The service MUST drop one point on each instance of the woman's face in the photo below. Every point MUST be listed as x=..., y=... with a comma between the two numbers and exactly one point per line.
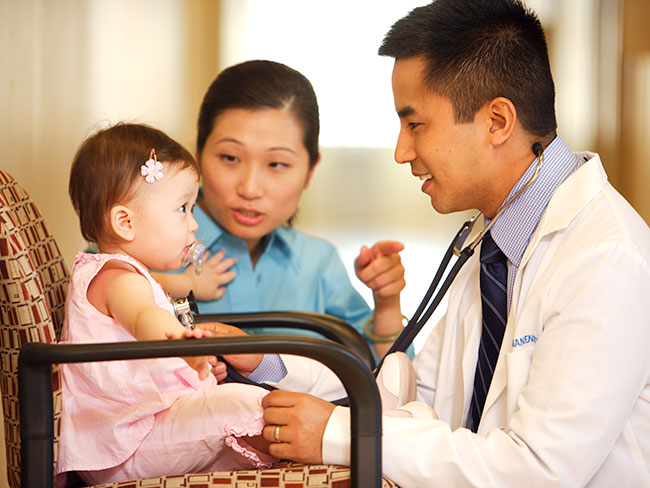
x=255, y=167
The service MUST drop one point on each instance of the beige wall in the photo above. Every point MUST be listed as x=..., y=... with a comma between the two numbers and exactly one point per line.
x=43, y=100
x=634, y=157
x=69, y=66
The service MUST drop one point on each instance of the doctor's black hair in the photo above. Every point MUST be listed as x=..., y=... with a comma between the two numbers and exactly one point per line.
x=477, y=50
x=259, y=85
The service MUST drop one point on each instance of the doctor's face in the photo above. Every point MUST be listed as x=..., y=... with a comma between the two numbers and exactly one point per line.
x=443, y=154
x=255, y=167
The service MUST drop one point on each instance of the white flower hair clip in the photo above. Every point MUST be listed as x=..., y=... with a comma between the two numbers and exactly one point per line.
x=152, y=169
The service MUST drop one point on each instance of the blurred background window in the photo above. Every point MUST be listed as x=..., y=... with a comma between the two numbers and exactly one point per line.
x=334, y=44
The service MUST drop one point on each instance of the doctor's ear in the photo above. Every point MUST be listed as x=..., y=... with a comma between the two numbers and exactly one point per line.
x=121, y=222
x=502, y=116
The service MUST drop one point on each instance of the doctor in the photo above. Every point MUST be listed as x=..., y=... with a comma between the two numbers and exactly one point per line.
x=566, y=393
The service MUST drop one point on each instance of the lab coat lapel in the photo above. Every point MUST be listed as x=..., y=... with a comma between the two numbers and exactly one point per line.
x=454, y=386
x=499, y=379
x=469, y=308
x=568, y=200
x=471, y=341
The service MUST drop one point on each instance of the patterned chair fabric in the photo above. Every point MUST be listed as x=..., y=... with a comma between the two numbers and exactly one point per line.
x=33, y=283
x=286, y=475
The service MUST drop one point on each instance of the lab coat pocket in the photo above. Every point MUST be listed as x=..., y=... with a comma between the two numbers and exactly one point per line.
x=517, y=368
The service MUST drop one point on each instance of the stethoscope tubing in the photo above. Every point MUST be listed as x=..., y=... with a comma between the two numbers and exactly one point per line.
x=420, y=317
x=424, y=312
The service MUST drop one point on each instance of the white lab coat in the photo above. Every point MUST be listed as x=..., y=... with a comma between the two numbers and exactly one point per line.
x=569, y=403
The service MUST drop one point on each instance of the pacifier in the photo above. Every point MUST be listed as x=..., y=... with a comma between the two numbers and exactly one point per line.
x=194, y=254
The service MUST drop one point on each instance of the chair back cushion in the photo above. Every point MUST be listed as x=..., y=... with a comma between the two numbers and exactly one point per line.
x=33, y=282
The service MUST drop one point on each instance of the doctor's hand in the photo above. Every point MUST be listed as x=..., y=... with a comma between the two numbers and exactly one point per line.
x=380, y=268
x=215, y=274
x=244, y=363
x=202, y=364
x=302, y=419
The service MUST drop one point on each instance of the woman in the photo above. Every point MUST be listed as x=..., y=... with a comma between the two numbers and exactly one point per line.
x=257, y=148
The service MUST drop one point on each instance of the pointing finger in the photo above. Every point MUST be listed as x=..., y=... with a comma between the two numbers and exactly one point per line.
x=364, y=258
x=387, y=247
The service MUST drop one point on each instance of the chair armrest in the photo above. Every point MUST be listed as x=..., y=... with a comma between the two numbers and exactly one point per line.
x=327, y=325
x=35, y=392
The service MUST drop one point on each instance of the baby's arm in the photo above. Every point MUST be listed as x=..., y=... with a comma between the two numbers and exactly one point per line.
x=380, y=268
x=209, y=285
x=121, y=293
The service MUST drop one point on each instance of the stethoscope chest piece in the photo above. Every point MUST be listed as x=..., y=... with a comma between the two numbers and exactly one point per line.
x=184, y=308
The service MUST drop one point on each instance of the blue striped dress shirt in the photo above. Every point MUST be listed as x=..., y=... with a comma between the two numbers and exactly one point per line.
x=515, y=226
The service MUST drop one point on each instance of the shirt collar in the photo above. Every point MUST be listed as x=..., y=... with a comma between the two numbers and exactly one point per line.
x=514, y=227
x=280, y=244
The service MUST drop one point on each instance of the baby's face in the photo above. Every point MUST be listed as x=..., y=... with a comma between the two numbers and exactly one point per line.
x=162, y=218
x=255, y=167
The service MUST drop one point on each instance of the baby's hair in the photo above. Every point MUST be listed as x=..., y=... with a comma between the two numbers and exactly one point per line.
x=106, y=169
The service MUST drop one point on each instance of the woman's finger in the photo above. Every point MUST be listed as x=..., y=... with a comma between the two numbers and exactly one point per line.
x=378, y=266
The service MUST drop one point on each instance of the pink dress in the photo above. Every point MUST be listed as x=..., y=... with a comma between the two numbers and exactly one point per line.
x=123, y=420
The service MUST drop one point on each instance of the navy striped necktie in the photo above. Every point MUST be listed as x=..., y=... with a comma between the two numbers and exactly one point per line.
x=493, y=281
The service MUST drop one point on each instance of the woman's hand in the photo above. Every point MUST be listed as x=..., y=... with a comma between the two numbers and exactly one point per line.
x=380, y=269
x=215, y=274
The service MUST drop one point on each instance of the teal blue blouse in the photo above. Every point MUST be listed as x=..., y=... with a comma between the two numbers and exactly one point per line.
x=296, y=272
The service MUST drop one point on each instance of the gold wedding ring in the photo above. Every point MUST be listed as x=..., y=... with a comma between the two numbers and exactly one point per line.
x=276, y=433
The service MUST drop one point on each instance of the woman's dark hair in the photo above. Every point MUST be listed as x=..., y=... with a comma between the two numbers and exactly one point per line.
x=477, y=50
x=106, y=169
x=257, y=85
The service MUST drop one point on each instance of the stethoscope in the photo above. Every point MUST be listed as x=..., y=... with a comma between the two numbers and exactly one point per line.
x=183, y=307
x=423, y=313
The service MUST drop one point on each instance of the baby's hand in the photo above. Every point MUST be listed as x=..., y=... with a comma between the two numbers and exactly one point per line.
x=202, y=364
x=380, y=268
x=209, y=285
